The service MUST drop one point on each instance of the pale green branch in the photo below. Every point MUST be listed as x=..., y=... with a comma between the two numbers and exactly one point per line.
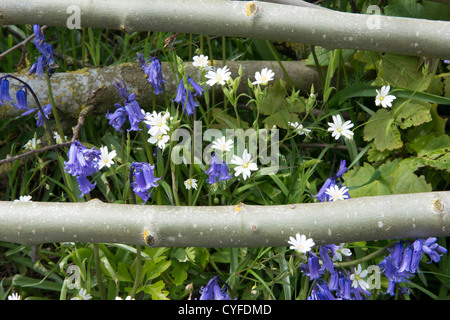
x=361, y=219
x=272, y=21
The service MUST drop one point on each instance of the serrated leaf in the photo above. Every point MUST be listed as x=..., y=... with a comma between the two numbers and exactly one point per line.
x=432, y=151
x=412, y=113
x=156, y=290
x=382, y=129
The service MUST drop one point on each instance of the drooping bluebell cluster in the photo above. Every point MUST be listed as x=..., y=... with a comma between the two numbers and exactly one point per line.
x=144, y=179
x=339, y=285
x=22, y=101
x=399, y=266
x=403, y=261
x=332, y=181
x=46, y=59
x=130, y=110
x=185, y=97
x=212, y=291
x=218, y=170
x=152, y=68
x=83, y=162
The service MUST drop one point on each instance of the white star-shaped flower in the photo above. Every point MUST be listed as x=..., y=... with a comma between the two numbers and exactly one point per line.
x=200, y=61
x=337, y=193
x=300, y=243
x=106, y=158
x=14, y=296
x=299, y=128
x=222, y=144
x=384, y=98
x=337, y=256
x=244, y=165
x=190, y=183
x=264, y=77
x=357, y=280
x=157, y=122
x=159, y=139
x=339, y=128
x=82, y=295
x=23, y=199
x=221, y=76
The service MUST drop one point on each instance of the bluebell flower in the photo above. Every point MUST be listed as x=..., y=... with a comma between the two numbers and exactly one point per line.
x=21, y=97
x=46, y=59
x=320, y=291
x=185, y=97
x=39, y=118
x=85, y=185
x=326, y=260
x=312, y=268
x=212, y=291
x=4, y=91
x=404, y=259
x=130, y=111
x=82, y=162
x=153, y=72
x=144, y=179
x=217, y=170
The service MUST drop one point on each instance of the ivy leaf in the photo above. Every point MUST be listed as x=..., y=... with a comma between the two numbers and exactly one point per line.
x=382, y=129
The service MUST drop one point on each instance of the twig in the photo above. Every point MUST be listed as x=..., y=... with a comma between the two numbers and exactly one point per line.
x=23, y=43
x=76, y=131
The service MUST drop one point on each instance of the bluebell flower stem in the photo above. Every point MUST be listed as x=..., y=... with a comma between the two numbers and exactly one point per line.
x=98, y=272
x=137, y=277
x=54, y=110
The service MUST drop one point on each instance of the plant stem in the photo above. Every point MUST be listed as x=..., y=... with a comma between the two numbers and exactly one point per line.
x=137, y=278
x=98, y=272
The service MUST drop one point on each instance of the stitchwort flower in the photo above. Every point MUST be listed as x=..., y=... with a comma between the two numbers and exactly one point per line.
x=201, y=62
x=106, y=157
x=357, y=278
x=336, y=193
x=244, y=165
x=383, y=97
x=300, y=243
x=190, y=184
x=332, y=188
x=144, y=179
x=298, y=128
x=221, y=76
x=338, y=128
x=264, y=77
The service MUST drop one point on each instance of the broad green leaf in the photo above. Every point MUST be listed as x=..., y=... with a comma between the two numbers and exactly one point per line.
x=404, y=180
x=382, y=129
x=402, y=72
x=359, y=176
x=411, y=113
x=404, y=8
